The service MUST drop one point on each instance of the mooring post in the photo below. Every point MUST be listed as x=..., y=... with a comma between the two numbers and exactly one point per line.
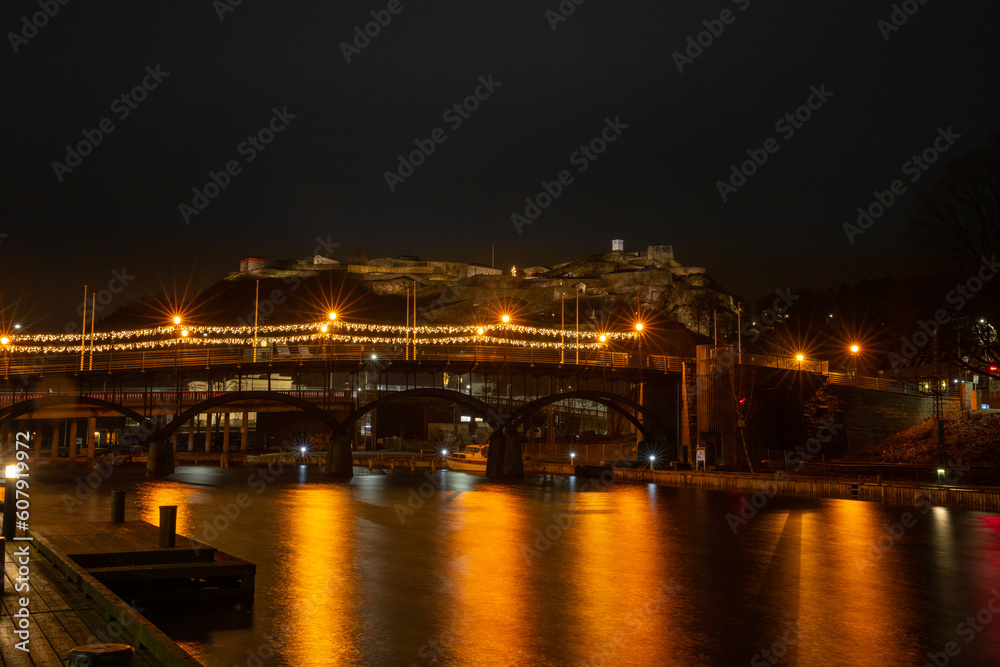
x=106, y=655
x=117, y=507
x=3, y=560
x=168, y=526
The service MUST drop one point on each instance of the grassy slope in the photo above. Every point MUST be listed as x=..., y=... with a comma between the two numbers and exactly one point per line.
x=975, y=441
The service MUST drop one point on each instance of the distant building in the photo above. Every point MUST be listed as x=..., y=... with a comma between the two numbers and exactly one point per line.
x=253, y=264
x=618, y=245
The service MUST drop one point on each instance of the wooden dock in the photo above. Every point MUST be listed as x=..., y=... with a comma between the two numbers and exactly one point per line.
x=127, y=558
x=71, y=611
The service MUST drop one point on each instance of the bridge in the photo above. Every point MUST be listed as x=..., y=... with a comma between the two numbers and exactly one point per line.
x=148, y=387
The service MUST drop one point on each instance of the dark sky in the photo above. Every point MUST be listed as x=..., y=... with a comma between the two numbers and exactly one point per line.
x=323, y=175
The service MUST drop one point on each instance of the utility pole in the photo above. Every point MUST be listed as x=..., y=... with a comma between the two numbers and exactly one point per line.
x=256, y=299
x=83, y=330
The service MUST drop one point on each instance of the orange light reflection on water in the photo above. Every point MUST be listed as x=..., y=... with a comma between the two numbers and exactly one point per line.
x=846, y=585
x=320, y=593
x=624, y=539
x=493, y=599
x=153, y=496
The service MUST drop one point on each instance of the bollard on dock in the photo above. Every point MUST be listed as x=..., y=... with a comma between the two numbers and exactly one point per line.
x=103, y=655
x=168, y=526
x=117, y=507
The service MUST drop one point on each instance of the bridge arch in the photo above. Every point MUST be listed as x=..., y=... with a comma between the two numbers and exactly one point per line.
x=474, y=404
x=12, y=412
x=619, y=404
x=232, y=397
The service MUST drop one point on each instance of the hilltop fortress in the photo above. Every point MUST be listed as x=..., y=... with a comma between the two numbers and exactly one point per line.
x=449, y=292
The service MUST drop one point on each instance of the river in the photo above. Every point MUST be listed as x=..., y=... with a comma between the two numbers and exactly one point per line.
x=450, y=568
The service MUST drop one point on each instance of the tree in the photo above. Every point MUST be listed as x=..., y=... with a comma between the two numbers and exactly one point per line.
x=957, y=223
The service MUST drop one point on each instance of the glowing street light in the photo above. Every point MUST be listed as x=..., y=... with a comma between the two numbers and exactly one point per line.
x=4, y=341
x=799, y=358
x=854, y=353
x=177, y=319
x=652, y=461
x=505, y=319
x=185, y=333
x=638, y=326
x=480, y=331
x=332, y=316
x=603, y=338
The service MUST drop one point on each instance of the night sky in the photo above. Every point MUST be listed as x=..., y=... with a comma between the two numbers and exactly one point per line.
x=219, y=81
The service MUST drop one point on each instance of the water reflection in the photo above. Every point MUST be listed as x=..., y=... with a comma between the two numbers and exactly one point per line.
x=316, y=604
x=563, y=572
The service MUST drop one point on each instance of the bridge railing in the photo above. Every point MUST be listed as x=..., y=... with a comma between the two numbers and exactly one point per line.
x=194, y=356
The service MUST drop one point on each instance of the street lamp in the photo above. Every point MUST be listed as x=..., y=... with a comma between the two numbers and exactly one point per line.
x=652, y=461
x=799, y=358
x=854, y=353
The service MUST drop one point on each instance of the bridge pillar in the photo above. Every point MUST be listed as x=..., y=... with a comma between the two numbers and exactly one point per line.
x=244, y=431
x=225, y=432
x=191, y=430
x=160, y=461
x=73, y=425
x=208, y=431
x=339, y=461
x=505, y=460
x=55, y=439
x=91, y=427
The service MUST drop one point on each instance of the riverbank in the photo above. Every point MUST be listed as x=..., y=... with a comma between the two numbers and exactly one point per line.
x=982, y=498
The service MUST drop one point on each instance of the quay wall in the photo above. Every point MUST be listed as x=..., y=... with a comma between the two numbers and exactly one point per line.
x=986, y=499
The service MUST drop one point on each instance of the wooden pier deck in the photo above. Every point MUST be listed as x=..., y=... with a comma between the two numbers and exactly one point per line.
x=71, y=611
x=127, y=558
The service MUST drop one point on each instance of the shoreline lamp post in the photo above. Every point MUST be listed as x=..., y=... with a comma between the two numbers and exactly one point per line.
x=854, y=354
